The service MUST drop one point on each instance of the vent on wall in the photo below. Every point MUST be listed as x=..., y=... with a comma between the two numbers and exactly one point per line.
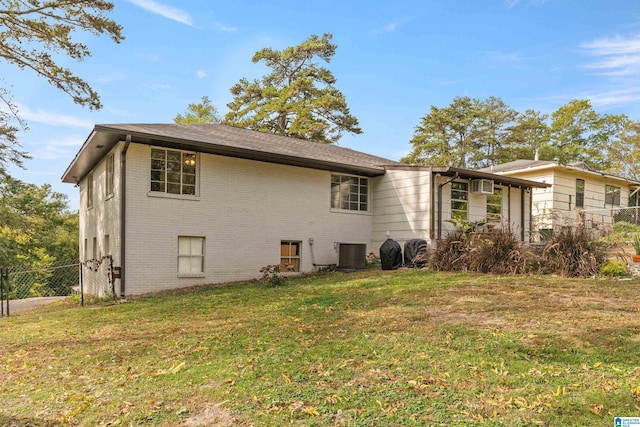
x=352, y=256
x=482, y=186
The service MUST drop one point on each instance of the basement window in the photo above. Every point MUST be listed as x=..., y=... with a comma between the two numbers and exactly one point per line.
x=190, y=256
x=289, y=256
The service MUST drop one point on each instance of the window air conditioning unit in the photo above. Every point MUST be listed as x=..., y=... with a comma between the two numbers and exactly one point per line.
x=482, y=186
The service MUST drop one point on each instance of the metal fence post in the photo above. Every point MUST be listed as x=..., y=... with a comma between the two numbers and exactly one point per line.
x=1, y=292
x=81, y=286
x=8, y=287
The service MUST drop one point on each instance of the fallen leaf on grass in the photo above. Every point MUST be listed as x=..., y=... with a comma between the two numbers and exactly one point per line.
x=596, y=408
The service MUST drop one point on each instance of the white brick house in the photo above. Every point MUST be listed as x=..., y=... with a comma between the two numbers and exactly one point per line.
x=182, y=205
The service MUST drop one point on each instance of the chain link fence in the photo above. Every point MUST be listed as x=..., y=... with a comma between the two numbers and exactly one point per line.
x=601, y=221
x=92, y=277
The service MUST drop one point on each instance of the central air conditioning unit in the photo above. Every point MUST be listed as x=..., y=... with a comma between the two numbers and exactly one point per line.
x=351, y=256
x=482, y=186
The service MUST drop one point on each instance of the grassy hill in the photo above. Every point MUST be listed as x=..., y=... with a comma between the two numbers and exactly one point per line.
x=370, y=348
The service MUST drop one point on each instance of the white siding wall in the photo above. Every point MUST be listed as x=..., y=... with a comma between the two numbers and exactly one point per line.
x=560, y=199
x=402, y=201
x=101, y=220
x=478, y=208
x=244, y=210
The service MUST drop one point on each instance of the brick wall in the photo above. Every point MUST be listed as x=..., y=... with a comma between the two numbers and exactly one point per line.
x=244, y=209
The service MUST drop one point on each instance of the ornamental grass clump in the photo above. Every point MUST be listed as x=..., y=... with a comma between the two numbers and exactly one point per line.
x=636, y=243
x=497, y=251
x=572, y=252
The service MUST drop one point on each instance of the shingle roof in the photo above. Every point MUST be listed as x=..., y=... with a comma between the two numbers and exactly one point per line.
x=229, y=141
x=517, y=165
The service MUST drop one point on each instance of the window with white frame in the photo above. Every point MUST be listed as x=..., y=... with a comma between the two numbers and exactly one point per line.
x=579, y=193
x=108, y=185
x=190, y=255
x=460, y=200
x=107, y=246
x=494, y=205
x=90, y=190
x=611, y=195
x=289, y=255
x=349, y=192
x=173, y=171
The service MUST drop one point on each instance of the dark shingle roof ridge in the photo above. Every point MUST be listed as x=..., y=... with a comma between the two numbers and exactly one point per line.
x=255, y=140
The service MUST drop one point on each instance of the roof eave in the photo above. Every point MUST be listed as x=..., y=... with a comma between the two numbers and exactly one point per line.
x=109, y=137
x=474, y=174
x=574, y=168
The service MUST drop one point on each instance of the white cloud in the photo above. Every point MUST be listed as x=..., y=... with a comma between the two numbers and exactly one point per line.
x=219, y=26
x=201, y=74
x=169, y=12
x=156, y=87
x=616, y=97
x=511, y=3
x=148, y=56
x=56, y=149
x=601, y=99
x=109, y=78
x=614, y=57
x=51, y=119
x=390, y=27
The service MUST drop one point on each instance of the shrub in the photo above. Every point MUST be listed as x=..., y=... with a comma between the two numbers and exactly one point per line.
x=451, y=252
x=572, y=252
x=271, y=275
x=625, y=227
x=636, y=243
x=372, y=260
x=613, y=268
x=497, y=252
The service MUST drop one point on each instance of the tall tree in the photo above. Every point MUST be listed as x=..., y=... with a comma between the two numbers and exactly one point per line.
x=469, y=133
x=297, y=98
x=493, y=135
x=36, y=225
x=624, y=154
x=528, y=137
x=202, y=113
x=474, y=133
x=579, y=133
x=33, y=33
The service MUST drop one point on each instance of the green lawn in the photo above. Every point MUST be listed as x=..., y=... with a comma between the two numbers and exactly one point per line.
x=370, y=348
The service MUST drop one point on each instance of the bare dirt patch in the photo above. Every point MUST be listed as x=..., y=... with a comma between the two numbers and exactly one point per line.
x=211, y=416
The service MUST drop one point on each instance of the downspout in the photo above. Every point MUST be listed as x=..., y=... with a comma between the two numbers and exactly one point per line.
x=440, y=203
x=123, y=213
x=522, y=217
x=509, y=208
x=432, y=220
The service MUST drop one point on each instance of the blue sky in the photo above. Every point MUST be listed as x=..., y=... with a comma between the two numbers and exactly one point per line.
x=394, y=60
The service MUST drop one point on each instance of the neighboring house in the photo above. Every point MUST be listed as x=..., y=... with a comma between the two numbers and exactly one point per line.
x=182, y=205
x=577, y=193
